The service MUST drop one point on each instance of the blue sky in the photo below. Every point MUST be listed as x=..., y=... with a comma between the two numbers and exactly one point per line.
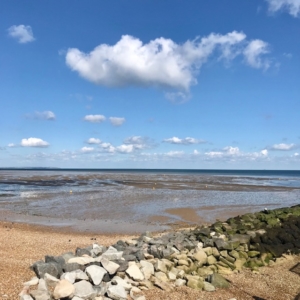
x=150, y=84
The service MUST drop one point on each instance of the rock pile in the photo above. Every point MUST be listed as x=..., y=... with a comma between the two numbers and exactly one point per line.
x=196, y=258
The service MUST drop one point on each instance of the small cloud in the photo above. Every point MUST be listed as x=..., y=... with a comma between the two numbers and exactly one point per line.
x=292, y=6
x=87, y=149
x=125, y=148
x=116, y=121
x=44, y=115
x=94, y=118
x=94, y=141
x=185, y=141
x=288, y=55
x=22, y=33
x=34, y=142
x=253, y=52
x=177, y=97
x=108, y=147
x=196, y=152
x=283, y=147
x=11, y=145
x=264, y=152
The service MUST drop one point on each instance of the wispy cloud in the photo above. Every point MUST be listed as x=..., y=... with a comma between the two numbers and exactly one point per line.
x=161, y=62
x=292, y=6
x=34, y=142
x=44, y=115
x=184, y=141
x=94, y=118
x=23, y=34
x=117, y=121
x=283, y=147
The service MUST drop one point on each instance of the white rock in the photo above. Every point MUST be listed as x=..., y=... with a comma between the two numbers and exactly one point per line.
x=112, y=254
x=180, y=282
x=116, y=292
x=80, y=275
x=147, y=268
x=26, y=297
x=50, y=280
x=82, y=260
x=118, y=280
x=134, y=272
x=208, y=287
x=109, y=266
x=161, y=276
x=42, y=285
x=160, y=266
x=84, y=290
x=70, y=276
x=137, y=294
x=32, y=281
x=96, y=273
x=64, y=289
x=171, y=276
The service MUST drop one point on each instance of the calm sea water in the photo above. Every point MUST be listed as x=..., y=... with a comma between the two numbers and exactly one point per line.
x=138, y=195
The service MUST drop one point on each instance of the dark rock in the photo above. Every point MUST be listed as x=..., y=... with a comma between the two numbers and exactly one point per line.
x=218, y=281
x=72, y=267
x=40, y=268
x=82, y=251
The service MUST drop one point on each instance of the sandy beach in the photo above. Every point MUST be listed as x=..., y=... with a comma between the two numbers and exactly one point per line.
x=23, y=244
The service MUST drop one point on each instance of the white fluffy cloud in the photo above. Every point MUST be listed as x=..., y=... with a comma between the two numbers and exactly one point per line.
x=283, y=147
x=116, y=121
x=253, y=54
x=94, y=141
x=22, y=33
x=292, y=6
x=94, y=118
x=161, y=62
x=185, y=141
x=87, y=149
x=34, y=142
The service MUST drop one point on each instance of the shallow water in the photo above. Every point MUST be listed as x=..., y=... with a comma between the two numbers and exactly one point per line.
x=138, y=196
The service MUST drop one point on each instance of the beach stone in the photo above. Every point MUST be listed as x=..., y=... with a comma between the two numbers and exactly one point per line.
x=112, y=254
x=84, y=290
x=84, y=260
x=208, y=287
x=32, y=281
x=120, y=281
x=82, y=251
x=26, y=297
x=253, y=253
x=215, y=252
x=147, y=269
x=40, y=268
x=95, y=273
x=40, y=295
x=223, y=270
x=117, y=292
x=134, y=272
x=63, y=289
x=219, y=281
x=180, y=282
x=162, y=285
x=171, y=276
x=194, y=282
x=55, y=259
x=200, y=256
x=109, y=266
x=211, y=260
x=50, y=280
x=161, y=276
x=42, y=285
x=69, y=267
x=208, y=250
x=137, y=294
x=70, y=276
x=239, y=263
x=80, y=275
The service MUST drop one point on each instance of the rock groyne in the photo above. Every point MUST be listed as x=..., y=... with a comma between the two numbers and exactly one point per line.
x=196, y=258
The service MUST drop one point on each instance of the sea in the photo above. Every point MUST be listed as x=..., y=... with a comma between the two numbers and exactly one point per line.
x=144, y=198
